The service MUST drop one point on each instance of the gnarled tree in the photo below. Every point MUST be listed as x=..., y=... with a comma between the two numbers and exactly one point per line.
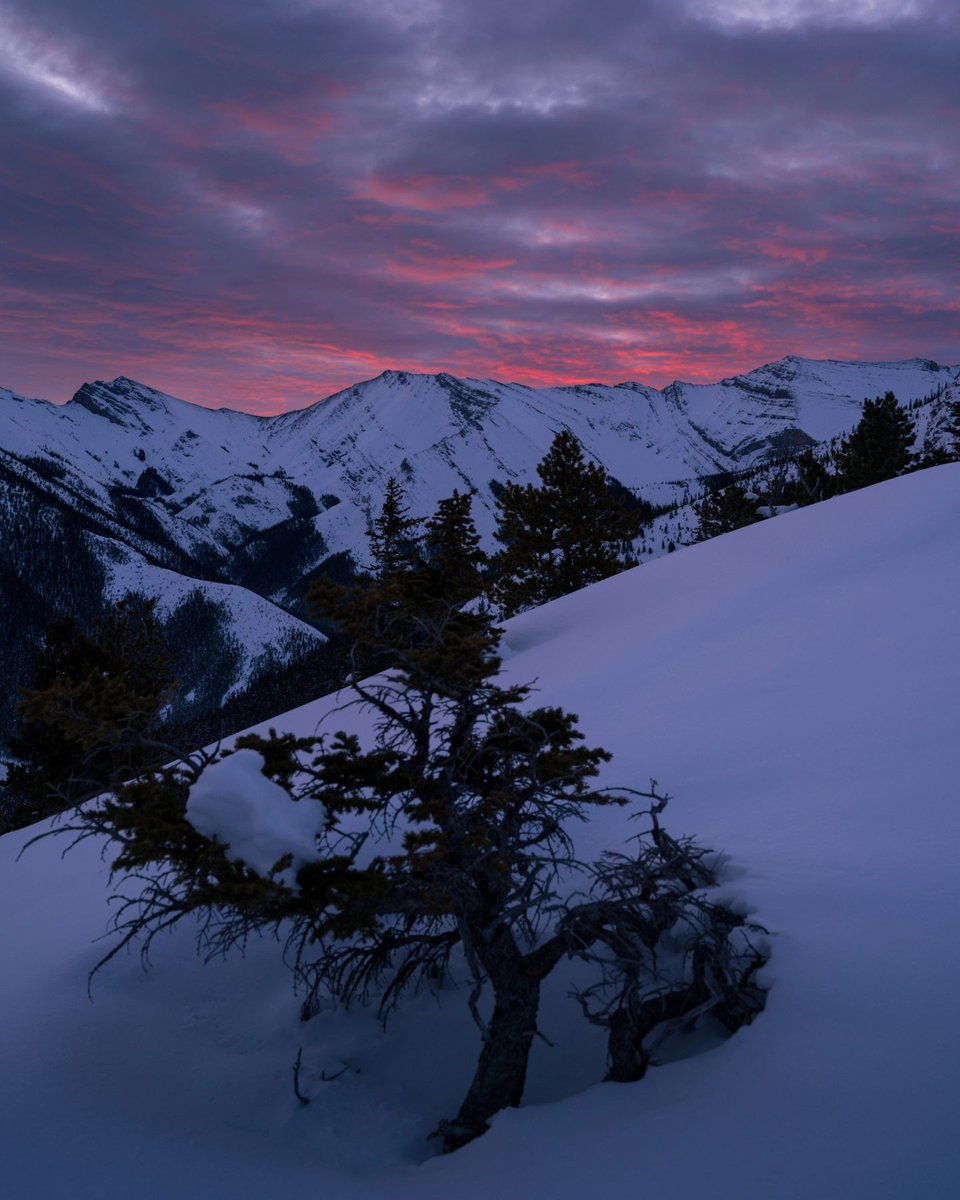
x=447, y=831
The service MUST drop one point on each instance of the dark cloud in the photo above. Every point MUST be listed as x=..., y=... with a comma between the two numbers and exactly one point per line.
x=255, y=203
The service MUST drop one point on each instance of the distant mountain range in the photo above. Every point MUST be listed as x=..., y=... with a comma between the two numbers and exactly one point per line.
x=225, y=517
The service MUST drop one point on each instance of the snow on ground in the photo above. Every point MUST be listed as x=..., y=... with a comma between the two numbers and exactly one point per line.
x=793, y=685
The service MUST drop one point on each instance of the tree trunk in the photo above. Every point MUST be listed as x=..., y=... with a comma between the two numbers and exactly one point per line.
x=502, y=1070
x=628, y=1060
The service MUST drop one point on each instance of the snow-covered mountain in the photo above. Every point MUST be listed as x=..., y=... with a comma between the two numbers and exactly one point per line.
x=151, y=485
x=215, y=479
x=793, y=685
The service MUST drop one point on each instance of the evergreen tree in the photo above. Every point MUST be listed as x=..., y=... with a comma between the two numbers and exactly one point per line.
x=447, y=830
x=953, y=430
x=95, y=713
x=879, y=447
x=451, y=548
x=811, y=483
x=558, y=537
x=342, y=608
x=724, y=511
x=392, y=619
x=394, y=534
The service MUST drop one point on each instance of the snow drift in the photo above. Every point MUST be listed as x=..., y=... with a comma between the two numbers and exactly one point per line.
x=793, y=685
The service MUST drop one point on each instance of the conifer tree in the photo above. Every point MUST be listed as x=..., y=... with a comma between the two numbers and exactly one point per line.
x=394, y=535
x=95, y=713
x=879, y=447
x=563, y=534
x=417, y=565
x=953, y=430
x=724, y=511
x=812, y=481
x=447, y=831
x=395, y=546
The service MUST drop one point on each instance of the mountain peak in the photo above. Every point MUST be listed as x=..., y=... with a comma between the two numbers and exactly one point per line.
x=96, y=398
x=398, y=377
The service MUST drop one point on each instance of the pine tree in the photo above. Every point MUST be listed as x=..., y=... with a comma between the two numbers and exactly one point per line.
x=392, y=619
x=879, y=447
x=448, y=830
x=94, y=714
x=953, y=430
x=725, y=511
x=563, y=534
x=394, y=534
x=812, y=481
x=343, y=608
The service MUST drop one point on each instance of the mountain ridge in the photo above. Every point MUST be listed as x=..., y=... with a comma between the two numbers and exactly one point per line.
x=266, y=503
x=403, y=375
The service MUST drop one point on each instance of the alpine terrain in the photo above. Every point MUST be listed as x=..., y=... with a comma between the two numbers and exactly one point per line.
x=792, y=684
x=225, y=518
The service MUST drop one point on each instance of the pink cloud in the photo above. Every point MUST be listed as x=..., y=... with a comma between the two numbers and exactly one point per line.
x=424, y=193
x=293, y=127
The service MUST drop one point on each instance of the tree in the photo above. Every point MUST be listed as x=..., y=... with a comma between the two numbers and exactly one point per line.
x=558, y=537
x=393, y=535
x=879, y=447
x=953, y=430
x=445, y=840
x=811, y=482
x=95, y=714
x=395, y=546
x=724, y=511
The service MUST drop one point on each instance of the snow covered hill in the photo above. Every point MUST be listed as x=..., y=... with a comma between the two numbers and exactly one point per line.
x=793, y=685
x=62, y=557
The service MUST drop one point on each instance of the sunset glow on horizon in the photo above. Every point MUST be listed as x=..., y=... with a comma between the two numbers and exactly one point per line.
x=256, y=204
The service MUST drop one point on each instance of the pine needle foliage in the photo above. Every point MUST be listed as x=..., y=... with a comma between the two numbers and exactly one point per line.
x=724, y=511
x=568, y=532
x=393, y=536
x=96, y=713
x=447, y=850
x=953, y=430
x=811, y=481
x=879, y=447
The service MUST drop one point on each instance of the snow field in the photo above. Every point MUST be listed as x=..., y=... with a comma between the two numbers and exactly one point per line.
x=793, y=686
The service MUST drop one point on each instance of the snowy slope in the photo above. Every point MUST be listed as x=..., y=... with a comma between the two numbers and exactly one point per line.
x=259, y=630
x=794, y=686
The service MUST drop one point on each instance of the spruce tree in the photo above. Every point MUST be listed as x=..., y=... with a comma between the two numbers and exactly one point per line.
x=343, y=608
x=393, y=536
x=879, y=447
x=95, y=714
x=953, y=430
x=812, y=482
x=724, y=511
x=446, y=830
x=563, y=534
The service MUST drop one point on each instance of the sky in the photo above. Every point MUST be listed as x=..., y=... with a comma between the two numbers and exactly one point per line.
x=254, y=203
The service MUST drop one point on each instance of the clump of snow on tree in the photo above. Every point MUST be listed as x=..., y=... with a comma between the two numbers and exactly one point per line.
x=234, y=803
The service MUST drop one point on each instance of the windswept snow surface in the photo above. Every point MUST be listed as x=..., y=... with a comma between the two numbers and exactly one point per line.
x=794, y=686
